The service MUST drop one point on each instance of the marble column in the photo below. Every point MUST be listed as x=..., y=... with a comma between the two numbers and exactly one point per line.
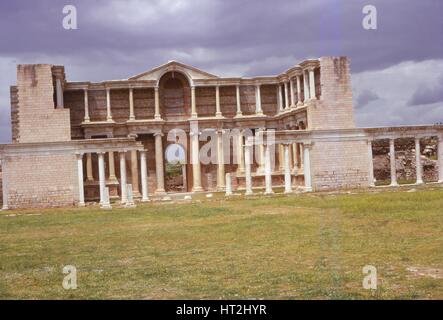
x=312, y=84
x=237, y=93
x=240, y=154
x=258, y=108
x=248, y=161
x=394, y=182
x=59, y=93
x=371, y=164
x=288, y=182
x=144, y=176
x=108, y=105
x=196, y=169
x=157, y=115
x=159, y=166
x=299, y=101
x=220, y=162
x=259, y=147
x=123, y=180
x=193, y=104
x=306, y=87
x=218, y=112
x=291, y=85
x=101, y=176
x=81, y=188
x=4, y=184
x=302, y=157
x=286, y=96
x=307, y=167
x=440, y=158
x=89, y=175
x=112, y=176
x=280, y=98
x=268, y=173
x=131, y=104
x=134, y=172
x=86, y=99
x=418, y=164
x=228, y=184
x=281, y=164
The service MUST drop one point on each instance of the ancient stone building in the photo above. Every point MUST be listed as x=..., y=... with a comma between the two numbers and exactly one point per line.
x=152, y=134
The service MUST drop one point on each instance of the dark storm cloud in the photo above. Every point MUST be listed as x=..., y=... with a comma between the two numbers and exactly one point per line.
x=240, y=31
x=364, y=98
x=117, y=39
x=428, y=95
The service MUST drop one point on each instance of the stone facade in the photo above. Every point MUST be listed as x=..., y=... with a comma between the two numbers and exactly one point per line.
x=77, y=142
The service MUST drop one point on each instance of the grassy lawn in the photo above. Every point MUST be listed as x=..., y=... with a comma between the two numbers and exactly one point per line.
x=310, y=246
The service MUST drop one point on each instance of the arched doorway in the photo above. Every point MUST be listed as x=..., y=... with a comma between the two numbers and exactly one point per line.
x=175, y=96
x=175, y=168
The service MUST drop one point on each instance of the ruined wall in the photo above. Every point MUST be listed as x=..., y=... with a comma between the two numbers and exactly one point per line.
x=334, y=109
x=405, y=159
x=339, y=165
x=36, y=106
x=53, y=184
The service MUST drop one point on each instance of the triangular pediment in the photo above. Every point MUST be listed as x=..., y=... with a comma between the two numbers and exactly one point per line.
x=190, y=71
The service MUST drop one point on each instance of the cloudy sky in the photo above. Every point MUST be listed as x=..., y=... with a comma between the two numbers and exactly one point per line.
x=397, y=70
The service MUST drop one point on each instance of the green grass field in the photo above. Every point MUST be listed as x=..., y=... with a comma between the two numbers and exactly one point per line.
x=309, y=246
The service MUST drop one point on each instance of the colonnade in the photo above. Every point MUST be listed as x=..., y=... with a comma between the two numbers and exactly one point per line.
x=102, y=174
x=289, y=96
x=418, y=161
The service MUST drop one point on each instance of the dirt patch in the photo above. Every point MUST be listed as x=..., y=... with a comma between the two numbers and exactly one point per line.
x=417, y=272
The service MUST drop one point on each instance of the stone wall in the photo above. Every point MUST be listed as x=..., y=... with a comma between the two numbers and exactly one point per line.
x=334, y=109
x=42, y=180
x=14, y=113
x=339, y=165
x=38, y=120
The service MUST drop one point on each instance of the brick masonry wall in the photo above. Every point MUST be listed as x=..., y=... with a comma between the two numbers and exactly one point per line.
x=339, y=165
x=334, y=110
x=14, y=113
x=36, y=106
x=42, y=180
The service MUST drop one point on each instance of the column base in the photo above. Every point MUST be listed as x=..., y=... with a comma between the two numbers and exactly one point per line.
x=219, y=115
x=197, y=189
x=288, y=191
x=146, y=200
x=238, y=115
x=419, y=182
x=267, y=193
x=300, y=104
x=129, y=205
x=86, y=120
x=221, y=189
x=157, y=117
x=394, y=184
x=307, y=189
x=194, y=116
x=249, y=193
x=131, y=119
x=4, y=208
x=82, y=204
x=109, y=120
x=106, y=206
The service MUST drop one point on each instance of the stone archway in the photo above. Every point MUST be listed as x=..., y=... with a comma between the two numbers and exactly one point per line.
x=175, y=168
x=175, y=96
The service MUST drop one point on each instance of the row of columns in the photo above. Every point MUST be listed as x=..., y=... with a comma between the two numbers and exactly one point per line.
x=268, y=170
x=309, y=94
x=289, y=94
x=102, y=175
x=418, y=162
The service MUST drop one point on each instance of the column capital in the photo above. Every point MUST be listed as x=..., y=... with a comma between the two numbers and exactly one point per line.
x=79, y=155
x=158, y=133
